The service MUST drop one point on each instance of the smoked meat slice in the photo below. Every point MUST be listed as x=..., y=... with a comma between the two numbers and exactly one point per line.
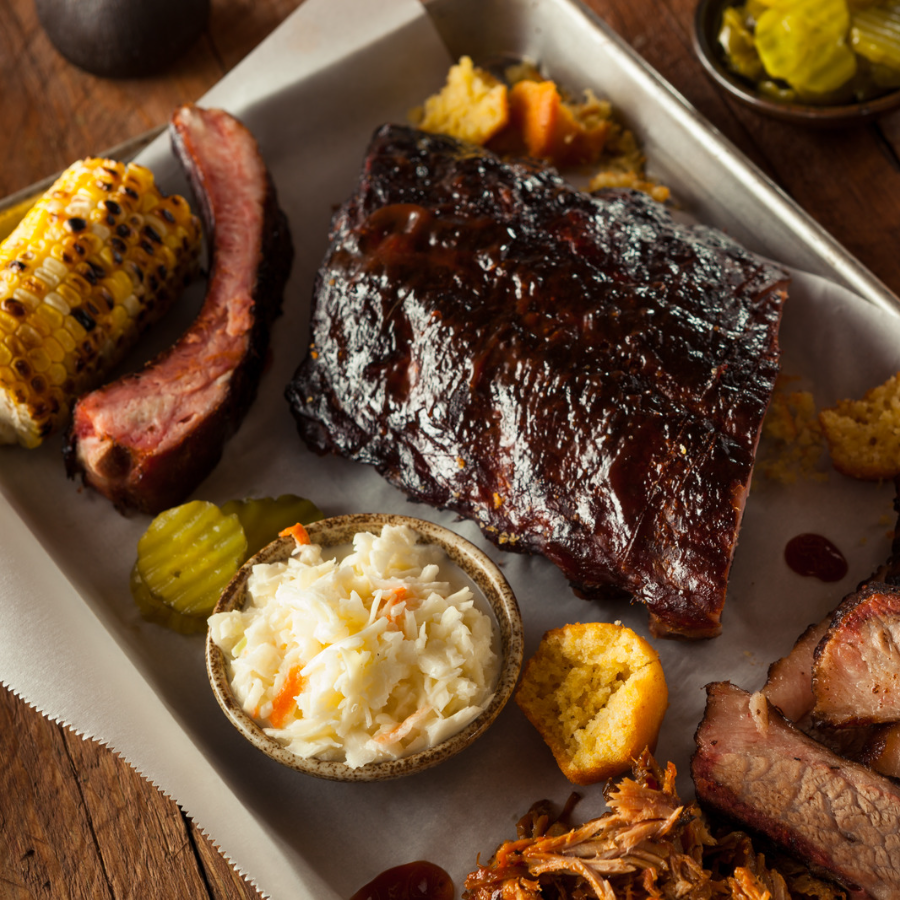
x=839, y=817
x=147, y=440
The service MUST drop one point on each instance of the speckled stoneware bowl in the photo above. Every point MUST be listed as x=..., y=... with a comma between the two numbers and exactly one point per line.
x=707, y=23
x=340, y=530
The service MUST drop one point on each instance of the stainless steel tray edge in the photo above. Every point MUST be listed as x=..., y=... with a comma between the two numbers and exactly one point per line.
x=713, y=180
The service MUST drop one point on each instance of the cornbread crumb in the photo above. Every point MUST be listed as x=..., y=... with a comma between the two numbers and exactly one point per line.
x=525, y=113
x=629, y=179
x=597, y=695
x=472, y=106
x=792, y=443
x=864, y=435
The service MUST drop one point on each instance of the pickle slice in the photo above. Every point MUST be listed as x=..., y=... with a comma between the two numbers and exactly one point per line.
x=804, y=42
x=736, y=40
x=875, y=34
x=188, y=555
x=263, y=518
x=154, y=610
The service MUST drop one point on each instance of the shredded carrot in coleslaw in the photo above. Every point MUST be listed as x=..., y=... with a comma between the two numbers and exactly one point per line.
x=298, y=532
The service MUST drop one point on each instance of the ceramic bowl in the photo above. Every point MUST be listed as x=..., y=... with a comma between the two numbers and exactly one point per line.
x=340, y=530
x=707, y=21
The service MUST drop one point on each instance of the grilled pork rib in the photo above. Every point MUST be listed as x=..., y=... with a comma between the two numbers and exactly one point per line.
x=841, y=818
x=147, y=440
x=578, y=373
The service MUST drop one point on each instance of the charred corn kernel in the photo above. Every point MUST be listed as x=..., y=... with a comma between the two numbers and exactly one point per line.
x=84, y=269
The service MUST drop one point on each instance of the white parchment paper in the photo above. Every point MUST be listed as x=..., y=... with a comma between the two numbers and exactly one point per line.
x=74, y=646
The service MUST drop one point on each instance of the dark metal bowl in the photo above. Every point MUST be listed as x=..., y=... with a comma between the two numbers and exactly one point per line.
x=707, y=21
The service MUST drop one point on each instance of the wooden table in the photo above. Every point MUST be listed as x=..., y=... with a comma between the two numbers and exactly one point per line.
x=76, y=821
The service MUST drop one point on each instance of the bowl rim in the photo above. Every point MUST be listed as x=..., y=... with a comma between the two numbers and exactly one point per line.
x=706, y=13
x=479, y=567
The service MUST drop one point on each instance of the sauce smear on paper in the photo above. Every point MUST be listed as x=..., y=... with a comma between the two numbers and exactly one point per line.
x=815, y=556
x=418, y=880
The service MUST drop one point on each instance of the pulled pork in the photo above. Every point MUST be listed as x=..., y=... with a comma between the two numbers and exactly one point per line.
x=649, y=845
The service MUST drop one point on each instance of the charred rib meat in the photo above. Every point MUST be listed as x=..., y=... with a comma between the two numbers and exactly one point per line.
x=580, y=374
x=147, y=440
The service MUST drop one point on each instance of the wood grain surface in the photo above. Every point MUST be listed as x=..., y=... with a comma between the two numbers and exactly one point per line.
x=76, y=821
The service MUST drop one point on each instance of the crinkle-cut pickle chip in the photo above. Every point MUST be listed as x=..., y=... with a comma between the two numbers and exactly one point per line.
x=188, y=555
x=875, y=34
x=263, y=518
x=155, y=610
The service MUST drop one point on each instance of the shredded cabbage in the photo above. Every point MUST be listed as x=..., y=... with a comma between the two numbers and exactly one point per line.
x=369, y=658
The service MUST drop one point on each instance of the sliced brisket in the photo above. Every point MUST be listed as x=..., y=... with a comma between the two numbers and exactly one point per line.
x=856, y=670
x=839, y=817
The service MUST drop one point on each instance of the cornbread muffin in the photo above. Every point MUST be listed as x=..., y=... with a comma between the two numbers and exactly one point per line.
x=864, y=435
x=597, y=695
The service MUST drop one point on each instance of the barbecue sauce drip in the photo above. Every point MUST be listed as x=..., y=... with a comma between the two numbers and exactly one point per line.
x=815, y=556
x=418, y=880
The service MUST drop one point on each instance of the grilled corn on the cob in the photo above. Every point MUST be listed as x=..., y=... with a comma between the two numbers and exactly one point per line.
x=101, y=255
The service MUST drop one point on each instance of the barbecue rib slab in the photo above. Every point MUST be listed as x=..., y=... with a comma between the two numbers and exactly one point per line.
x=578, y=373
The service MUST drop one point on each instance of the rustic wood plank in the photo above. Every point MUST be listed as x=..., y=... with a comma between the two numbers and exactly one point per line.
x=48, y=847
x=78, y=823
x=55, y=113
x=143, y=841
x=223, y=881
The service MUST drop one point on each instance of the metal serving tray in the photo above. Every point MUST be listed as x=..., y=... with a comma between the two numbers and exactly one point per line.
x=714, y=180
x=72, y=642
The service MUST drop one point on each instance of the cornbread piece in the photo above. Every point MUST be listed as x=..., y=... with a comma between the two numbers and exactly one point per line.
x=864, y=435
x=472, y=106
x=856, y=673
x=792, y=445
x=580, y=374
x=98, y=258
x=147, y=440
x=838, y=817
x=597, y=694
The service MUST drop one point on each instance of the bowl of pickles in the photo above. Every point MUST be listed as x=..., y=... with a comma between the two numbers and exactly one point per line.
x=814, y=62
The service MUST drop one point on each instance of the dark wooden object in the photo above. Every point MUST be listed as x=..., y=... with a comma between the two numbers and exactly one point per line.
x=75, y=820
